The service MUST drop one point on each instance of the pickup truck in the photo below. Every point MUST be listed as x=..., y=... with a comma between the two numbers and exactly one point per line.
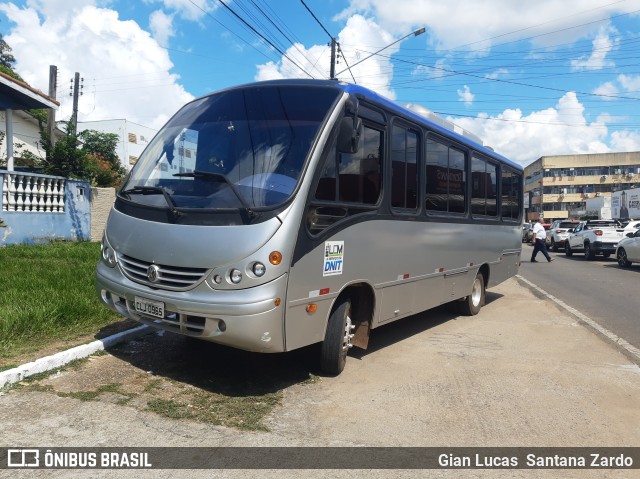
x=594, y=237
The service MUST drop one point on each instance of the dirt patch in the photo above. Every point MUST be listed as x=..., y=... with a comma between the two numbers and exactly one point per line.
x=181, y=378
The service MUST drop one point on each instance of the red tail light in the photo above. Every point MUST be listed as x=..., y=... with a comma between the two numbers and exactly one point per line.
x=598, y=232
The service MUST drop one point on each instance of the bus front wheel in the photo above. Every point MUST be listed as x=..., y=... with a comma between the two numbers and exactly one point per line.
x=337, y=339
x=470, y=306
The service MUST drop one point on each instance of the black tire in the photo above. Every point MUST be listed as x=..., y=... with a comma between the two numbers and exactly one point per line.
x=470, y=306
x=588, y=252
x=554, y=246
x=606, y=255
x=621, y=256
x=567, y=249
x=337, y=339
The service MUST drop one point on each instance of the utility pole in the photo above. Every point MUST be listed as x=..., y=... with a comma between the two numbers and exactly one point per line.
x=332, y=73
x=76, y=87
x=51, y=114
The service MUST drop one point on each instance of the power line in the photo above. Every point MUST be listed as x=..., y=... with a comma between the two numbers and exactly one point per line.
x=547, y=22
x=228, y=29
x=293, y=43
x=486, y=79
x=316, y=19
x=263, y=38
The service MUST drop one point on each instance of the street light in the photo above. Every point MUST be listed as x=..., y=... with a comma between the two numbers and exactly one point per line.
x=415, y=34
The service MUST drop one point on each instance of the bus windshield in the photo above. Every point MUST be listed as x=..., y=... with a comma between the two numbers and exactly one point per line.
x=241, y=148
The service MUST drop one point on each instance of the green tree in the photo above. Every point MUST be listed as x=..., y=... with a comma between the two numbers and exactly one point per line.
x=6, y=57
x=65, y=158
x=103, y=164
x=89, y=155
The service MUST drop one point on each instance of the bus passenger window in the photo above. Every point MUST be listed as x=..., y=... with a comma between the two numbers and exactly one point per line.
x=511, y=194
x=353, y=178
x=483, y=187
x=404, y=173
x=446, y=178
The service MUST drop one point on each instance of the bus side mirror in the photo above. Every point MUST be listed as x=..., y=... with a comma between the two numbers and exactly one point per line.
x=349, y=135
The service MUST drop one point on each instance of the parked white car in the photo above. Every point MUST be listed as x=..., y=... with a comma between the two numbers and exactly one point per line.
x=559, y=232
x=632, y=226
x=594, y=237
x=628, y=250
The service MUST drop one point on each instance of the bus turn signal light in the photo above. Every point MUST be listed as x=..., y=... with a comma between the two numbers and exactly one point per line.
x=312, y=308
x=275, y=257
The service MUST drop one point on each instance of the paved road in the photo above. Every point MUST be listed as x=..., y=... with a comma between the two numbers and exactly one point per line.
x=507, y=377
x=599, y=289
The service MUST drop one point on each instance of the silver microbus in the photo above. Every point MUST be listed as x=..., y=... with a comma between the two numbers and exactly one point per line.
x=276, y=215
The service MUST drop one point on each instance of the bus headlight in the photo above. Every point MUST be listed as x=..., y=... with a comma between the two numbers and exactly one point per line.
x=109, y=256
x=235, y=276
x=259, y=269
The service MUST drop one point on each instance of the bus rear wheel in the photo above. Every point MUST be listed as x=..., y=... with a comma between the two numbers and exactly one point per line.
x=470, y=306
x=337, y=339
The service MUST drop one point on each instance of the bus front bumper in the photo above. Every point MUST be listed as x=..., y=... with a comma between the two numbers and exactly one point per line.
x=251, y=319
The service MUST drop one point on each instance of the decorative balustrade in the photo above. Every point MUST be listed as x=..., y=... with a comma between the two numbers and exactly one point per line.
x=25, y=192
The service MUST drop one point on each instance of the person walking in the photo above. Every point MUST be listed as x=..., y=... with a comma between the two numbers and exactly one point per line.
x=538, y=240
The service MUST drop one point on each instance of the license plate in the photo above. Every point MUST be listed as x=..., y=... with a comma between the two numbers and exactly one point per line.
x=150, y=308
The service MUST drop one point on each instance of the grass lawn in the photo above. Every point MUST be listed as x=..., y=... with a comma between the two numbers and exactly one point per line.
x=47, y=295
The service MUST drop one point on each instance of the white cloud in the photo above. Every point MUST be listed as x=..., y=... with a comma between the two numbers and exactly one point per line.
x=357, y=37
x=52, y=8
x=314, y=60
x=500, y=72
x=161, y=25
x=625, y=141
x=125, y=71
x=602, y=46
x=608, y=90
x=630, y=83
x=439, y=70
x=189, y=9
x=466, y=96
x=455, y=23
x=523, y=138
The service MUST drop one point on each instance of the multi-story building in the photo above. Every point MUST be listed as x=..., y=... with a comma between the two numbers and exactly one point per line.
x=558, y=186
x=133, y=138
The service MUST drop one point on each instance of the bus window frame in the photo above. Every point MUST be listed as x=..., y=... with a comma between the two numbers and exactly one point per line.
x=353, y=211
x=450, y=144
x=498, y=166
x=519, y=199
x=420, y=164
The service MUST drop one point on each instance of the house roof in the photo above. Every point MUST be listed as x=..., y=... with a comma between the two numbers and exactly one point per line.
x=16, y=95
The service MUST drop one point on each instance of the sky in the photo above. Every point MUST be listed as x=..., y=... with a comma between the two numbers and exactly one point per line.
x=530, y=79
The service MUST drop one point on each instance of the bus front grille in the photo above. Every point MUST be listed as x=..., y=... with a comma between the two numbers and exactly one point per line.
x=175, y=278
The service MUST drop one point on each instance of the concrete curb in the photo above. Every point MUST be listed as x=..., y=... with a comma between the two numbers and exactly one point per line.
x=57, y=360
x=626, y=348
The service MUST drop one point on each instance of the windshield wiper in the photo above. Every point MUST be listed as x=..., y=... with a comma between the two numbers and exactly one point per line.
x=220, y=177
x=155, y=190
